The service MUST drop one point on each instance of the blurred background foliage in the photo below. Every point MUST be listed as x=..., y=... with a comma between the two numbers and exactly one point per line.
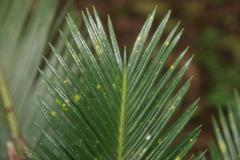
x=211, y=29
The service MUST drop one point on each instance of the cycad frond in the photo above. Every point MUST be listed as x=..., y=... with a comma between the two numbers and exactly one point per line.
x=109, y=107
x=228, y=133
x=26, y=28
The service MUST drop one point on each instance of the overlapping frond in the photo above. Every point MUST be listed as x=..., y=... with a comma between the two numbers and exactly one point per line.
x=227, y=133
x=112, y=103
x=26, y=28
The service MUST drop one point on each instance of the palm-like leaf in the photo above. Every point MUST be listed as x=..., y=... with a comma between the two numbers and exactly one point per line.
x=24, y=34
x=109, y=107
x=228, y=133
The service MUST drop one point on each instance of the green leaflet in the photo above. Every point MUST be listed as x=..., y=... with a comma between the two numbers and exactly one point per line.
x=108, y=107
x=227, y=133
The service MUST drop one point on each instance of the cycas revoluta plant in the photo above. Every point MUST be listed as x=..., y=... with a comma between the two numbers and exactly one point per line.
x=102, y=104
x=109, y=105
x=227, y=133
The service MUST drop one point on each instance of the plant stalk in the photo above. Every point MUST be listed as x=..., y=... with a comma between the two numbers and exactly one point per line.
x=8, y=108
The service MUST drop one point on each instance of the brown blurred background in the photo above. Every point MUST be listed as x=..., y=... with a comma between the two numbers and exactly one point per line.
x=211, y=29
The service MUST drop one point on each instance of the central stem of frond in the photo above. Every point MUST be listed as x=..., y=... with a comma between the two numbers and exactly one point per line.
x=122, y=117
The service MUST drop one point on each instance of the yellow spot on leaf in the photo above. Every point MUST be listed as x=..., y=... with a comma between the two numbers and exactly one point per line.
x=172, y=108
x=222, y=146
x=139, y=38
x=98, y=87
x=98, y=48
x=58, y=101
x=65, y=109
x=66, y=81
x=76, y=98
x=53, y=113
x=177, y=158
x=172, y=67
x=167, y=43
